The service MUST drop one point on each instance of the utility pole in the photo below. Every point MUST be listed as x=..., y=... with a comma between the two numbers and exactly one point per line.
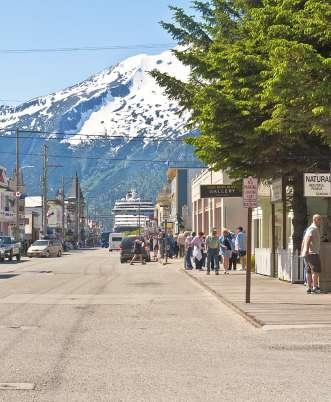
x=166, y=240
x=45, y=190
x=139, y=218
x=62, y=200
x=77, y=209
x=17, y=234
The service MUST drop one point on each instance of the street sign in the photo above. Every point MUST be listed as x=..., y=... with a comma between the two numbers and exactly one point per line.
x=18, y=194
x=317, y=184
x=219, y=190
x=276, y=190
x=250, y=191
x=250, y=195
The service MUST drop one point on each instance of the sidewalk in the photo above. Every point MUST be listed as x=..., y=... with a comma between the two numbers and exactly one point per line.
x=274, y=304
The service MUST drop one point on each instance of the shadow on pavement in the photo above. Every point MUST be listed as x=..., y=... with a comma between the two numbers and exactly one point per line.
x=7, y=276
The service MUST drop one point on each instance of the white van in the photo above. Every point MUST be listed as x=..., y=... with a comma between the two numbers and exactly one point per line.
x=115, y=240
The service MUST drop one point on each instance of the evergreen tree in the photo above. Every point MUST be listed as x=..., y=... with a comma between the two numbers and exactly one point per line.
x=259, y=87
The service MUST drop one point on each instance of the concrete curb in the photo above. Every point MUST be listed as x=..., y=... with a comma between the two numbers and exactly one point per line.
x=253, y=321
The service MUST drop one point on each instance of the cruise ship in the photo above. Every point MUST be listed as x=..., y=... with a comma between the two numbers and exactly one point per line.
x=131, y=212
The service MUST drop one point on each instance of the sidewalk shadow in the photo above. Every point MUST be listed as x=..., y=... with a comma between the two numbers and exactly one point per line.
x=8, y=276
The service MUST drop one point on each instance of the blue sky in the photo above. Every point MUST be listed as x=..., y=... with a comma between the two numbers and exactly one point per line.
x=72, y=23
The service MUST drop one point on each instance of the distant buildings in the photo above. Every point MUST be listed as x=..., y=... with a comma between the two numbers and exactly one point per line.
x=180, y=203
x=66, y=216
x=9, y=198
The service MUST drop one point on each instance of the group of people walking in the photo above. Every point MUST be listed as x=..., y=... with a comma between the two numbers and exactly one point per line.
x=209, y=251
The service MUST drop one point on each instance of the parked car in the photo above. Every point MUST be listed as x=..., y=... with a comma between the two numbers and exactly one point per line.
x=126, y=249
x=10, y=247
x=45, y=248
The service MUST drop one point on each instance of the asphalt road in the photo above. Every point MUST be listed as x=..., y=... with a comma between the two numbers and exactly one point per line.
x=86, y=328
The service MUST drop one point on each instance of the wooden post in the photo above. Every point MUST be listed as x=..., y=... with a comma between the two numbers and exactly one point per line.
x=249, y=255
x=284, y=212
x=273, y=238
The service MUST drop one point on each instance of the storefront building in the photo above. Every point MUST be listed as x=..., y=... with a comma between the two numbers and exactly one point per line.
x=7, y=205
x=219, y=213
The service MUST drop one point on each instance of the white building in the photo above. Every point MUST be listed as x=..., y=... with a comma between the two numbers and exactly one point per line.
x=7, y=205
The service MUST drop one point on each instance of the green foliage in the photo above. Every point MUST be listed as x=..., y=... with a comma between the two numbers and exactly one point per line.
x=259, y=90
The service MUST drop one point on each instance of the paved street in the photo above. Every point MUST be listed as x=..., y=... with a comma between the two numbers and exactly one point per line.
x=86, y=328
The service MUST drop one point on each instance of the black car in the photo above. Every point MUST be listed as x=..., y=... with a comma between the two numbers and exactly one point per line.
x=126, y=249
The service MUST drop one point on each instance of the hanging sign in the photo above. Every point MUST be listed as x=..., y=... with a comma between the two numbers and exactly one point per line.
x=276, y=190
x=219, y=190
x=317, y=184
x=250, y=191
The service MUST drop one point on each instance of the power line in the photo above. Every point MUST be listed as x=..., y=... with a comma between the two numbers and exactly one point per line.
x=165, y=161
x=101, y=136
x=88, y=48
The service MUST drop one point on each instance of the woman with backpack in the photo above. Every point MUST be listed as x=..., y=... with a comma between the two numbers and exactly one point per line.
x=226, y=249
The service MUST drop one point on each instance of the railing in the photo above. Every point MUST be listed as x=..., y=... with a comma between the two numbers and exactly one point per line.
x=289, y=265
x=263, y=261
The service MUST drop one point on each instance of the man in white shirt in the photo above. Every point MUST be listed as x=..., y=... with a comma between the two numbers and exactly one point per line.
x=310, y=250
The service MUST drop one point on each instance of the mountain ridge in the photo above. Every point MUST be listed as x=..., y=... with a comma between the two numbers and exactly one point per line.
x=120, y=112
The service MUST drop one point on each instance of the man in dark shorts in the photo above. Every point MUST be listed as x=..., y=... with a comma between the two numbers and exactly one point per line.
x=311, y=252
x=138, y=251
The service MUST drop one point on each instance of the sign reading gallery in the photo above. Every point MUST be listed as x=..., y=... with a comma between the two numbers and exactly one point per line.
x=317, y=184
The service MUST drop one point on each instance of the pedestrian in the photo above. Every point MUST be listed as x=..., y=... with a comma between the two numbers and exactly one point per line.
x=226, y=249
x=240, y=246
x=181, y=243
x=197, y=243
x=188, y=251
x=310, y=250
x=176, y=248
x=138, y=251
x=204, y=251
x=170, y=245
x=213, y=246
x=155, y=247
x=234, y=254
x=162, y=246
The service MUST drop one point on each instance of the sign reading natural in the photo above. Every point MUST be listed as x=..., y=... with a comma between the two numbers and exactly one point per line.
x=219, y=190
x=317, y=184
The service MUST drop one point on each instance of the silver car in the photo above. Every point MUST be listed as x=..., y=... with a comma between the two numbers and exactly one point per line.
x=45, y=248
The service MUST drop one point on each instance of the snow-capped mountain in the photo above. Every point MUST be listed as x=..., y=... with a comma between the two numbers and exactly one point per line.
x=122, y=100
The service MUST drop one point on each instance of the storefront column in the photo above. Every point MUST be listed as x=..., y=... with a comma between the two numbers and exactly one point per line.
x=202, y=215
